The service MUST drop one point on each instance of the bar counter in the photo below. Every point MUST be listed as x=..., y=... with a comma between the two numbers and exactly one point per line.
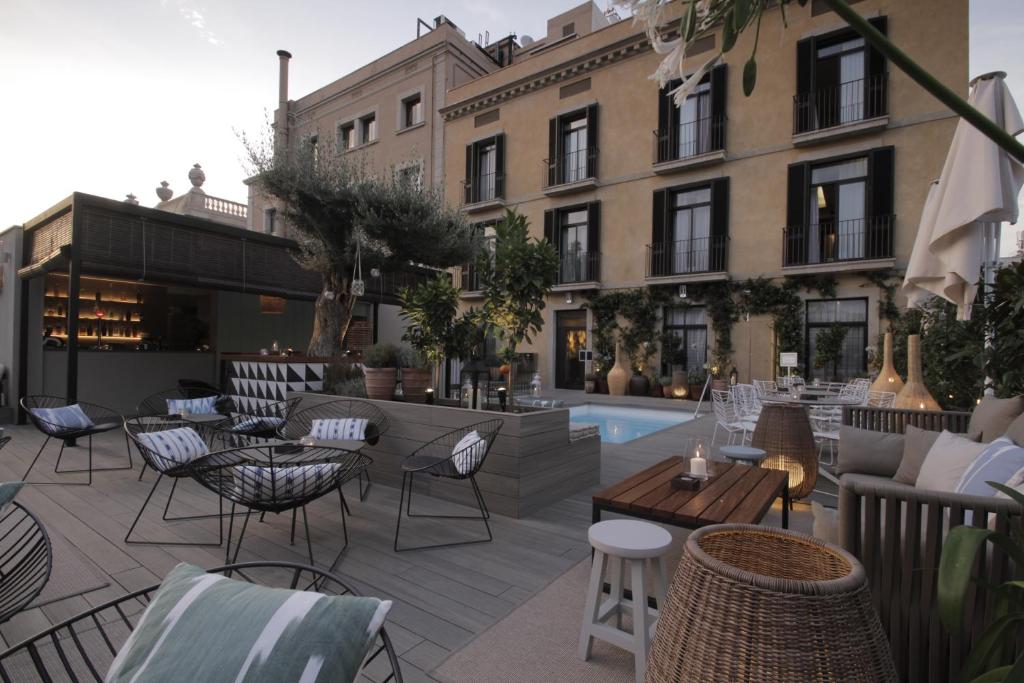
x=254, y=380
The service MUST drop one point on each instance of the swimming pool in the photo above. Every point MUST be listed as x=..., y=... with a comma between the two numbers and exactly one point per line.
x=619, y=425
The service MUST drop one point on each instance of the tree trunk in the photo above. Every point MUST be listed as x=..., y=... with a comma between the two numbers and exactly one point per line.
x=332, y=315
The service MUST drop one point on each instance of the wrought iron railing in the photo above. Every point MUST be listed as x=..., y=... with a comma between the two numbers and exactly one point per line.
x=579, y=266
x=857, y=100
x=484, y=187
x=851, y=240
x=685, y=257
x=570, y=167
x=690, y=139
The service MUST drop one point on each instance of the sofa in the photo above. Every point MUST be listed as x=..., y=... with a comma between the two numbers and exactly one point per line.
x=896, y=529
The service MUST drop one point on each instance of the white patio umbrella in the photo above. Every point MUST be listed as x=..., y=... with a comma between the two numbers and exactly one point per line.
x=978, y=188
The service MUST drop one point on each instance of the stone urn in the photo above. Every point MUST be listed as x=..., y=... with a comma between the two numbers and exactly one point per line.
x=618, y=376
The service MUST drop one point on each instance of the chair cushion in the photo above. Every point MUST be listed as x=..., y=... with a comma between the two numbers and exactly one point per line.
x=8, y=490
x=207, y=627
x=173, y=447
x=344, y=428
x=63, y=419
x=257, y=423
x=431, y=464
x=868, y=452
x=258, y=484
x=195, y=406
x=947, y=461
x=468, y=452
x=993, y=416
x=916, y=444
x=999, y=462
x=1016, y=430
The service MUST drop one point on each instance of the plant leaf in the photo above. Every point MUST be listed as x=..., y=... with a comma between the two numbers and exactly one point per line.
x=986, y=644
x=749, y=76
x=955, y=567
x=728, y=33
x=690, y=22
x=741, y=13
x=1011, y=492
x=995, y=675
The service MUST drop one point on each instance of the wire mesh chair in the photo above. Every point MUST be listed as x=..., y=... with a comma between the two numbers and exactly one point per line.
x=262, y=423
x=766, y=387
x=300, y=424
x=277, y=477
x=197, y=388
x=448, y=457
x=748, y=404
x=26, y=558
x=83, y=647
x=727, y=417
x=102, y=419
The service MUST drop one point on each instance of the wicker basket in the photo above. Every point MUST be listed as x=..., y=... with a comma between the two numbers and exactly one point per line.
x=751, y=603
x=784, y=433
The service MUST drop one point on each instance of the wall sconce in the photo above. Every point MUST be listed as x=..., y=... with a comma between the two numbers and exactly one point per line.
x=682, y=291
x=568, y=297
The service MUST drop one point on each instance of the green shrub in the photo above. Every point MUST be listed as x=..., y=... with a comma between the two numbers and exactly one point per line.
x=381, y=356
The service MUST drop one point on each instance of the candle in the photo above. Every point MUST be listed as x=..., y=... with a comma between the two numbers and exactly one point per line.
x=307, y=440
x=699, y=467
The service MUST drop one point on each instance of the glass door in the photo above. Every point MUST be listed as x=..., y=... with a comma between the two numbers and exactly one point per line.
x=570, y=339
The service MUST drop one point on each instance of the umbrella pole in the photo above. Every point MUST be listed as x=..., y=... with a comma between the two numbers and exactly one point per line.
x=991, y=251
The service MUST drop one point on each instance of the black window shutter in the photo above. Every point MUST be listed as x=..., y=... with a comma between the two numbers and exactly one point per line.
x=876, y=90
x=592, y=262
x=719, y=223
x=718, y=91
x=553, y=161
x=549, y=228
x=803, y=113
x=469, y=174
x=796, y=216
x=499, y=165
x=879, y=233
x=664, y=133
x=659, y=246
x=592, y=141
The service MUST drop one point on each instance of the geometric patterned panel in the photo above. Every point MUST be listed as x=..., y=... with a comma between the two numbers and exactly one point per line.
x=254, y=384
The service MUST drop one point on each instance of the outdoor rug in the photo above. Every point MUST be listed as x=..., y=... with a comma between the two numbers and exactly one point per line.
x=73, y=573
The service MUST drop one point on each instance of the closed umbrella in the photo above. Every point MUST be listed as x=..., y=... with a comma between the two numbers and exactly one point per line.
x=978, y=188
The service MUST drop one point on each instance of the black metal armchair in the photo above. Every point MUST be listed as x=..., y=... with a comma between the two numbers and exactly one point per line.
x=450, y=457
x=262, y=423
x=197, y=388
x=83, y=647
x=26, y=558
x=99, y=420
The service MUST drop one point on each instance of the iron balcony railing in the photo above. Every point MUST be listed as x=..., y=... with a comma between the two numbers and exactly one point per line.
x=570, y=167
x=484, y=187
x=851, y=240
x=686, y=257
x=858, y=100
x=690, y=139
x=579, y=266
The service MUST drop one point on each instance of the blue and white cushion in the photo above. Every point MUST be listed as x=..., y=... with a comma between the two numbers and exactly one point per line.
x=174, y=447
x=194, y=406
x=255, y=483
x=254, y=423
x=468, y=452
x=63, y=419
x=345, y=429
x=1000, y=460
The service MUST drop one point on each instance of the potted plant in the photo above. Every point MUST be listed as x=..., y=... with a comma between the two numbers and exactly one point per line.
x=666, y=386
x=380, y=369
x=654, y=384
x=415, y=375
x=638, y=383
x=696, y=378
x=589, y=382
x=718, y=382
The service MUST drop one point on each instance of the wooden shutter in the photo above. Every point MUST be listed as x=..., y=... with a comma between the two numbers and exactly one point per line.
x=593, y=260
x=499, y=165
x=794, y=251
x=659, y=248
x=592, y=141
x=719, y=224
x=469, y=175
x=718, y=90
x=803, y=105
x=881, y=176
x=876, y=92
x=553, y=145
x=664, y=133
x=549, y=228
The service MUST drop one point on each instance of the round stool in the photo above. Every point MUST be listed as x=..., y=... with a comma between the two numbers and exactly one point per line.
x=744, y=454
x=617, y=543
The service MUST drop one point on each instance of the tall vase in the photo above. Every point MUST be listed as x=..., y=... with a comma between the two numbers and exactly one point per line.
x=914, y=394
x=618, y=376
x=888, y=378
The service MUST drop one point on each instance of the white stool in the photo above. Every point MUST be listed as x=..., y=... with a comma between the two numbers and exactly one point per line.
x=617, y=542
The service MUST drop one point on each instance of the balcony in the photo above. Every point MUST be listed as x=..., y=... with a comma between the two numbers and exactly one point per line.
x=840, y=111
x=696, y=143
x=833, y=244
x=485, y=191
x=678, y=261
x=579, y=270
x=571, y=172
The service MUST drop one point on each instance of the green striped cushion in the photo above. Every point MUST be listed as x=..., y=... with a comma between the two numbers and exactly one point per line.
x=206, y=627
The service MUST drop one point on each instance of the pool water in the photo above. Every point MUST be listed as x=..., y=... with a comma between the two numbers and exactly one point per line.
x=620, y=425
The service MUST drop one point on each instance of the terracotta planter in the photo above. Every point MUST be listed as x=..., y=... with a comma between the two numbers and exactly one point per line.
x=380, y=383
x=720, y=384
x=666, y=390
x=414, y=384
x=494, y=373
x=601, y=385
x=694, y=393
x=638, y=385
x=505, y=369
x=589, y=385
x=618, y=376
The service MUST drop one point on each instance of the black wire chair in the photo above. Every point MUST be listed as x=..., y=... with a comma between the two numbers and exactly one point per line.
x=197, y=388
x=83, y=647
x=439, y=458
x=136, y=426
x=26, y=558
x=103, y=420
x=301, y=424
x=277, y=477
x=264, y=422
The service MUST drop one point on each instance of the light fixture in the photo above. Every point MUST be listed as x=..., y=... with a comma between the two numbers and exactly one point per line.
x=429, y=396
x=502, y=397
x=682, y=291
x=375, y=272
x=568, y=297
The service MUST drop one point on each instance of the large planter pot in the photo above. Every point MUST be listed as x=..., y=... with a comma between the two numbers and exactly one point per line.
x=589, y=386
x=601, y=385
x=618, y=376
x=638, y=385
x=380, y=383
x=720, y=384
x=655, y=389
x=694, y=393
x=414, y=384
x=666, y=390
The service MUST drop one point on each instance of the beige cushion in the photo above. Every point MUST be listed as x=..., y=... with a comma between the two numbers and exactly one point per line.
x=947, y=461
x=868, y=452
x=993, y=416
x=916, y=444
x=1016, y=430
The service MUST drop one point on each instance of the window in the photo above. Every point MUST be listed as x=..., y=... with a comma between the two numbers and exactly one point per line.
x=269, y=219
x=367, y=129
x=575, y=233
x=840, y=80
x=841, y=209
x=346, y=136
x=852, y=316
x=412, y=110
x=313, y=141
x=690, y=229
x=411, y=174
x=688, y=324
x=469, y=276
x=572, y=147
x=485, y=165
x=698, y=126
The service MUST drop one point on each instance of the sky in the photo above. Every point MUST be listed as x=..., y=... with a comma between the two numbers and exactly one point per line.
x=113, y=96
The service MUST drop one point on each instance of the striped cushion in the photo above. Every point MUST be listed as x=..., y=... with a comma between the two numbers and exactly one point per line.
x=264, y=484
x=347, y=428
x=63, y=419
x=194, y=406
x=173, y=447
x=468, y=452
x=254, y=423
x=1000, y=460
x=206, y=627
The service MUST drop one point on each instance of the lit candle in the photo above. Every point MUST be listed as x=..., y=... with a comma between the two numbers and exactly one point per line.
x=698, y=466
x=307, y=440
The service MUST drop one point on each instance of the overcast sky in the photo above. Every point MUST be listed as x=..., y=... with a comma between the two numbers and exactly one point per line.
x=114, y=96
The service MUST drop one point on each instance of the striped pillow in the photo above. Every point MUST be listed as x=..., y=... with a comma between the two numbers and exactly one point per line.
x=173, y=447
x=1000, y=460
x=254, y=423
x=207, y=627
x=255, y=484
x=194, y=406
x=347, y=429
x=468, y=452
x=63, y=419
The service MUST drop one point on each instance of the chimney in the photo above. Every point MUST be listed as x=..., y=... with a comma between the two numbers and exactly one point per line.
x=281, y=117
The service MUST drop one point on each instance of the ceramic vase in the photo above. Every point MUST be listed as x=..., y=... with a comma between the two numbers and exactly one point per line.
x=888, y=378
x=914, y=395
x=618, y=376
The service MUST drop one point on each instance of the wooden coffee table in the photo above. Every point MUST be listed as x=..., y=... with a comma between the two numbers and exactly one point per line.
x=735, y=493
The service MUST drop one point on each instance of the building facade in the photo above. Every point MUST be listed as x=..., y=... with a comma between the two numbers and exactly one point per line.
x=819, y=176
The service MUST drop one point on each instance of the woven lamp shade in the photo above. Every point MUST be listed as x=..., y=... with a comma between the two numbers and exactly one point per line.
x=888, y=379
x=784, y=433
x=757, y=604
x=914, y=394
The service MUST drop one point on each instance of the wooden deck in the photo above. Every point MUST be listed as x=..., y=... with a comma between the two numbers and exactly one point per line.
x=443, y=597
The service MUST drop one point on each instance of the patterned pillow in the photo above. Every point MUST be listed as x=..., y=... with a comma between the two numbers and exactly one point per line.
x=255, y=483
x=347, y=429
x=254, y=423
x=194, y=406
x=63, y=419
x=8, y=490
x=173, y=447
x=1000, y=460
x=207, y=627
x=468, y=452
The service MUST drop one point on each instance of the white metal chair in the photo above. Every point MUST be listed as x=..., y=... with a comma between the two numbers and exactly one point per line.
x=727, y=418
x=825, y=426
x=748, y=404
x=766, y=387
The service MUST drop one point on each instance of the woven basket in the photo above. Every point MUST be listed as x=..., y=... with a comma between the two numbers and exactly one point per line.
x=784, y=433
x=751, y=603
